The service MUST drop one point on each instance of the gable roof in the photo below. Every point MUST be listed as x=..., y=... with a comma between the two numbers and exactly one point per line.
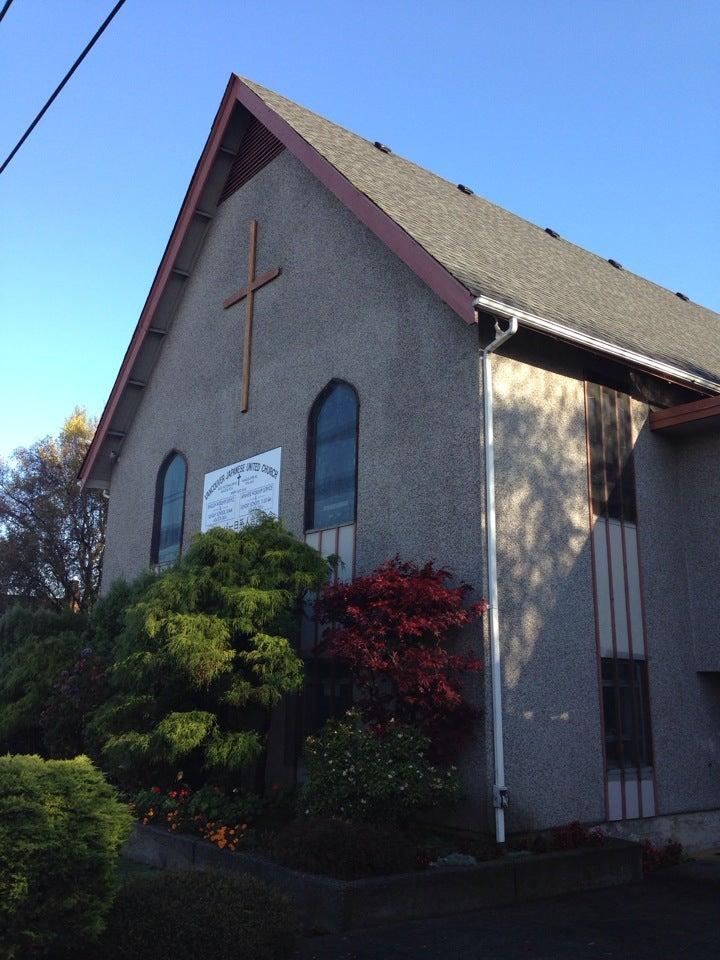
x=461, y=245
x=494, y=252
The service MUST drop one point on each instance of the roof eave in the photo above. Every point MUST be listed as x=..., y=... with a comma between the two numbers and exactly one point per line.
x=164, y=270
x=586, y=341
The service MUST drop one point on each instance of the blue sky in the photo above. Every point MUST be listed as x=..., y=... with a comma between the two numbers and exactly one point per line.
x=599, y=119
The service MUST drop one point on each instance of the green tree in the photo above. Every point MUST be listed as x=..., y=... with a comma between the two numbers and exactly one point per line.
x=51, y=534
x=206, y=651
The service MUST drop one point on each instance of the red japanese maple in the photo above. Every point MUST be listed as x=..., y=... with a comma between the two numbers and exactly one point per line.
x=393, y=627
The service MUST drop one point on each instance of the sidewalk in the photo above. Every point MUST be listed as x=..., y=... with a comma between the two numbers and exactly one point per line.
x=674, y=914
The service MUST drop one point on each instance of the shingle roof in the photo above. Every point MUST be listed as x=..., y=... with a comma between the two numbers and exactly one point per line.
x=492, y=251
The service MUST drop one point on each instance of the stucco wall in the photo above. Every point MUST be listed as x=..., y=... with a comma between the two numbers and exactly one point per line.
x=698, y=459
x=343, y=307
x=685, y=706
x=553, y=746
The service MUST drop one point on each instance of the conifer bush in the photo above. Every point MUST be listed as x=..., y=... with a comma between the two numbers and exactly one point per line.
x=206, y=649
x=61, y=831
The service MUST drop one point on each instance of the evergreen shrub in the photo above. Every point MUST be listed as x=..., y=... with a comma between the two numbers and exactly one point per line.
x=61, y=831
x=198, y=916
x=35, y=646
x=206, y=649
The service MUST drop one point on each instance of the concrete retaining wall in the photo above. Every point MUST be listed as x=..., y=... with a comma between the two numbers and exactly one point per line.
x=337, y=905
x=695, y=831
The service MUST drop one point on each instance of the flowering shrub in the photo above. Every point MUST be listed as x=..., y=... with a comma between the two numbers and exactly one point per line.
x=344, y=850
x=391, y=627
x=79, y=690
x=221, y=816
x=655, y=856
x=354, y=773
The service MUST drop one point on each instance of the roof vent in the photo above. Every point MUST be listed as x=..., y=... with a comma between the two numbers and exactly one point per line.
x=552, y=233
x=682, y=296
x=614, y=263
x=463, y=189
x=382, y=147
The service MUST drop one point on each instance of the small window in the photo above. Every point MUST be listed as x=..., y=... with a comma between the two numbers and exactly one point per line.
x=627, y=717
x=332, y=458
x=169, y=510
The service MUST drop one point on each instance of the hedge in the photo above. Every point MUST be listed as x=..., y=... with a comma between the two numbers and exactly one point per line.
x=198, y=916
x=61, y=830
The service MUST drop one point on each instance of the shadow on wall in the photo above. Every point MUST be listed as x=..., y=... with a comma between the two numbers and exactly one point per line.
x=553, y=745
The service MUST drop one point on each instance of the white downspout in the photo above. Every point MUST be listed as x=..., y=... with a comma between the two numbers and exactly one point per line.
x=500, y=798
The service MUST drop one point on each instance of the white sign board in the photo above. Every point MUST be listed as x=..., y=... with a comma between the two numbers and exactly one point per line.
x=233, y=495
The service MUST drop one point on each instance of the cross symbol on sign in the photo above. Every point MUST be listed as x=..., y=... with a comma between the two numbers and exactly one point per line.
x=247, y=293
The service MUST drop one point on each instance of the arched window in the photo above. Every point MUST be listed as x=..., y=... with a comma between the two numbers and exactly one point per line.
x=169, y=509
x=332, y=458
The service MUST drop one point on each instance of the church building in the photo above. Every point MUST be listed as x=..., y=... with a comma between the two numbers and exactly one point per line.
x=314, y=345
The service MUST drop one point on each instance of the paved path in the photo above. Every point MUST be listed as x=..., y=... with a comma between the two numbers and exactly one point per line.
x=671, y=916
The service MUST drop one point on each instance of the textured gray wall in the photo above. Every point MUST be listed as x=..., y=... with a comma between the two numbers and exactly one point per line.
x=341, y=308
x=698, y=459
x=553, y=745
x=685, y=706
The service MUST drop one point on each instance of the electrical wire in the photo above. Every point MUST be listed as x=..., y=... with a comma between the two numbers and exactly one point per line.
x=56, y=91
x=6, y=7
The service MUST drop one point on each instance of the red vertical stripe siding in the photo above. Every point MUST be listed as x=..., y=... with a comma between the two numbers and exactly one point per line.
x=633, y=650
x=611, y=587
x=628, y=615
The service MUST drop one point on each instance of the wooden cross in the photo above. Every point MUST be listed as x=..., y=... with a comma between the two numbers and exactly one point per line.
x=248, y=293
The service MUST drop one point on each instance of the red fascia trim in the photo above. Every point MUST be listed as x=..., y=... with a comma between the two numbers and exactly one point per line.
x=696, y=410
x=177, y=236
x=427, y=268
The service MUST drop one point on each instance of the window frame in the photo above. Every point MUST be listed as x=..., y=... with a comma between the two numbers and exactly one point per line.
x=623, y=671
x=311, y=449
x=159, y=497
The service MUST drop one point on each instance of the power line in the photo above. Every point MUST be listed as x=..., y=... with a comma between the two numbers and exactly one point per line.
x=56, y=91
x=6, y=7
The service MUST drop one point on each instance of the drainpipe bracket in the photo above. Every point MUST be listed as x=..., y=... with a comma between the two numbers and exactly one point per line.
x=500, y=797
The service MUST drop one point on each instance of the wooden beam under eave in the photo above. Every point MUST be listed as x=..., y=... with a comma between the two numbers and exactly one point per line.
x=687, y=417
x=140, y=384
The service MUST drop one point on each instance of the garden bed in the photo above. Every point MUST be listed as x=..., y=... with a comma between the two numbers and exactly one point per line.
x=337, y=905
